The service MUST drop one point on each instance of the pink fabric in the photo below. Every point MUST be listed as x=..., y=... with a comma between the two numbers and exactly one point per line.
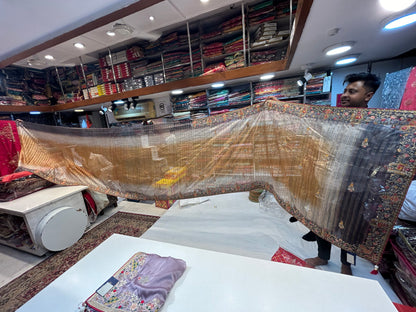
x=9, y=147
x=409, y=96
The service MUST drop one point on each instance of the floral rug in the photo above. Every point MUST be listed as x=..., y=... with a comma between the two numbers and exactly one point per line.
x=23, y=288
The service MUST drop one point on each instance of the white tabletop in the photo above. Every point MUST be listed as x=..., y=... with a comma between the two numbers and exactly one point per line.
x=33, y=201
x=215, y=281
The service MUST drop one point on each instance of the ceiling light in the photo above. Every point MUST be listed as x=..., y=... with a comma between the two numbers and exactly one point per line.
x=396, y=5
x=152, y=18
x=49, y=57
x=111, y=33
x=347, y=60
x=338, y=48
x=218, y=85
x=80, y=110
x=204, y=1
x=176, y=92
x=79, y=45
x=266, y=76
x=401, y=21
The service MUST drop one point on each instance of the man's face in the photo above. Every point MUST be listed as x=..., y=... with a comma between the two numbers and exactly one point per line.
x=355, y=95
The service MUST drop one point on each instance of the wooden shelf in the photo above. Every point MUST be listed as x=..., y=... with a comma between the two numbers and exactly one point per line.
x=238, y=73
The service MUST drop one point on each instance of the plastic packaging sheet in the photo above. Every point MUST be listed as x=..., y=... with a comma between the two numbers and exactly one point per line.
x=343, y=172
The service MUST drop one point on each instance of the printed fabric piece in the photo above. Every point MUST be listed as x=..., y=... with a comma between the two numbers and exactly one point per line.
x=142, y=284
x=284, y=256
x=393, y=89
x=409, y=96
x=342, y=172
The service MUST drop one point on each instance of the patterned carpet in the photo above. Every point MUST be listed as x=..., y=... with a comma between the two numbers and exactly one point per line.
x=17, y=292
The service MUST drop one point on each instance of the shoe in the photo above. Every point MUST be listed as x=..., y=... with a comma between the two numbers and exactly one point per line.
x=346, y=269
x=314, y=262
x=309, y=237
x=293, y=219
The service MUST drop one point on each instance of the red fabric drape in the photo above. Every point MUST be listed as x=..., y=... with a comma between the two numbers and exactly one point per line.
x=9, y=147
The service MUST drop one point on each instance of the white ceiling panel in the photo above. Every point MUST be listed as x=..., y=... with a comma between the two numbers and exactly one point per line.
x=26, y=23
x=165, y=14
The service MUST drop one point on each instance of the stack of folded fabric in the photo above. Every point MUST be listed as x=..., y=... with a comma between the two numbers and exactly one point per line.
x=197, y=67
x=196, y=56
x=232, y=25
x=268, y=34
x=197, y=100
x=234, y=45
x=213, y=49
x=315, y=84
x=218, y=98
x=211, y=34
x=154, y=67
x=278, y=88
x=241, y=96
x=234, y=61
x=170, y=40
x=149, y=81
x=174, y=73
x=283, y=8
x=260, y=57
x=158, y=78
x=134, y=53
x=139, y=68
x=261, y=12
x=153, y=47
x=180, y=102
x=171, y=59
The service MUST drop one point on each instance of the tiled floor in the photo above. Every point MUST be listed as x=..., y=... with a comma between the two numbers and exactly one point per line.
x=14, y=262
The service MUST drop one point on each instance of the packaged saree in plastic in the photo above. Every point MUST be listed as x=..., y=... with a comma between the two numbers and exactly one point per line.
x=142, y=284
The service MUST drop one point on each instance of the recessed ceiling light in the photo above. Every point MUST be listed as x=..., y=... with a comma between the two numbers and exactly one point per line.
x=396, y=5
x=79, y=45
x=111, y=33
x=176, y=92
x=338, y=48
x=218, y=85
x=204, y=1
x=79, y=110
x=347, y=60
x=401, y=21
x=266, y=76
x=49, y=57
x=152, y=18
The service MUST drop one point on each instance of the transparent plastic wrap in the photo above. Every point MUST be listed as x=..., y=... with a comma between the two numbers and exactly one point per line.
x=342, y=172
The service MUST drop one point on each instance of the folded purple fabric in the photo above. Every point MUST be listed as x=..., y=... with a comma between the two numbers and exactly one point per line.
x=142, y=284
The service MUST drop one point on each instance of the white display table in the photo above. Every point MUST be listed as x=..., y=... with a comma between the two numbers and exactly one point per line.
x=215, y=281
x=55, y=217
